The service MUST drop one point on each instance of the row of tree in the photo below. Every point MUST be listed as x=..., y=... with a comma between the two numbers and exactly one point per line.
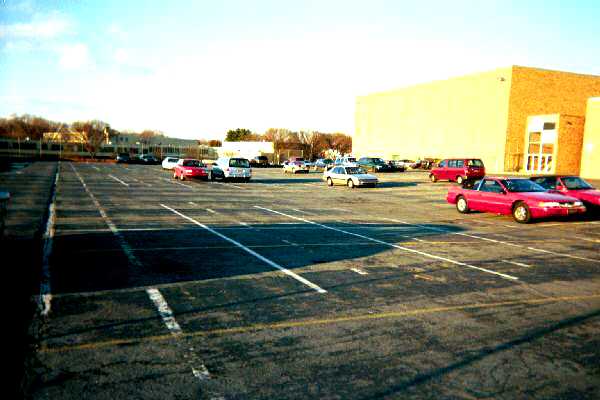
x=93, y=134
x=313, y=144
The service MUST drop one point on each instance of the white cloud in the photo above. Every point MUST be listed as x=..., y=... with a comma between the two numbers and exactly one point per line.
x=74, y=56
x=40, y=27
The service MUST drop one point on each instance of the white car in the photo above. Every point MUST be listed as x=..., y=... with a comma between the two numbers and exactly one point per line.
x=169, y=162
x=349, y=176
x=235, y=168
x=294, y=167
x=346, y=161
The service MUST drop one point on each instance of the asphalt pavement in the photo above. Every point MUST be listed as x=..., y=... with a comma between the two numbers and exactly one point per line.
x=284, y=288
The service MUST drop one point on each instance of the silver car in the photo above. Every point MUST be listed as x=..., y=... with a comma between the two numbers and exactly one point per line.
x=349, y=176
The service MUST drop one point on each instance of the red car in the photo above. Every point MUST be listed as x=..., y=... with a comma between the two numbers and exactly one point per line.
x=190, y=168
x=572, y=186
x=458, y=169
x=521, y=197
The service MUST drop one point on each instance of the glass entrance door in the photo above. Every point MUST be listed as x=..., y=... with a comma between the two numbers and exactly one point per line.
x=540, y=151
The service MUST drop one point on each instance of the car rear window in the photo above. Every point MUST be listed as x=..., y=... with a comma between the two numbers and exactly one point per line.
x=475, y=163
x=192, y=163
x=172, y=159
x=239, y=163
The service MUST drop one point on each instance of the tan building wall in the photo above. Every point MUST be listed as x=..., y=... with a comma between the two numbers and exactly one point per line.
x=568, y=149
x=481, y=115
x=590, y=157
x=459, y=117
x=537, y=91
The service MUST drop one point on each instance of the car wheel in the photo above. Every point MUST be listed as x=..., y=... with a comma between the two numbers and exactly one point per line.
x=521, y=213
x=350, y=183
x=461, y=205
x=181, y=177
x=329, y=182
x=211, y=176
x=432, y=178
x=174, y=175
x=460, y=180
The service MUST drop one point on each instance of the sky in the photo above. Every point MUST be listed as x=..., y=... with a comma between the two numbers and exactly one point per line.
x=195, y=69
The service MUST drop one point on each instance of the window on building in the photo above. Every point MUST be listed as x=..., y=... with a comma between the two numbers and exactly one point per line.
x=548, y=126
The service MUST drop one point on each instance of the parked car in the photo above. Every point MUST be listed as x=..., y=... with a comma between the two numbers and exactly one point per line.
x=309, y=164
x=294, y=167
x=146, y=159
x=260, y=161
x=374, y=164
x=458, y=169
x=346, y=160
x=349, y=176
x=235, y=168
x=190, y=168
x=572, y=186
x=395, y=166
x=170, y=162
x=403, y=163
x=521, y=197
x=322, y=163
x=122, y=158
x=214, y=172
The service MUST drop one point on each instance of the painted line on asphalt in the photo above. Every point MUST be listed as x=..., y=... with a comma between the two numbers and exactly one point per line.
x=153, y=293
x=496, y=241
x=422, y=253
x=517, y=263
x=250, y=251
x=210, y=210
x=96, y=168
x=359, y=271
x=177, y=183
x=164, y=311
x=118, y=180
x=45, y=299
x=327, y=321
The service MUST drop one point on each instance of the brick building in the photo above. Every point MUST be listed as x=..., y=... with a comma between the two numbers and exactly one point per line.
x=517, y=119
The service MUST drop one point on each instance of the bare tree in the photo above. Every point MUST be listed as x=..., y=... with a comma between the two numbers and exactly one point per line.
x=93, y=133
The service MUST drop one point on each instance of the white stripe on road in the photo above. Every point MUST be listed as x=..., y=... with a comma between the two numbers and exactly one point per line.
x=496, y=241
x=154, y=294
x=211, y=211
x=250, y=251
x=517, y=263
x=433, y=256
x=359, y=271
x=118, y=180
x=45, y=300
x=164, y=311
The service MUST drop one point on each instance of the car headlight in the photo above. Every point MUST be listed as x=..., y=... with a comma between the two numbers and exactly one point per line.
x=549, y=204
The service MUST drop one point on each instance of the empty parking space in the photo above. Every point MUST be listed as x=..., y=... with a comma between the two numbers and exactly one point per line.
x=364, y=293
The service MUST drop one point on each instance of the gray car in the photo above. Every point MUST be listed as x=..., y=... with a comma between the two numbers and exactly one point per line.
x=349, y=176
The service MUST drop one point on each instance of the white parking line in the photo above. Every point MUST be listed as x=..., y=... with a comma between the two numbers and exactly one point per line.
x=496, y=241
x=250, y=251
x=153, y=293
x=211, y=211
x=359, y=271
x=517, y=263
x=424, y=254
x=45, y=299
x=177, y=183
x=118, y=180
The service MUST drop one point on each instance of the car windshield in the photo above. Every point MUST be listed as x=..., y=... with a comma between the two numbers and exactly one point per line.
x=173, y=160
x=327, y=161
x=522, y=185
x=378, y=161
x=354, y=170
x=192, y=163
x=474, y=163
x=239, y=163
x=576, y=183
x=351, y=159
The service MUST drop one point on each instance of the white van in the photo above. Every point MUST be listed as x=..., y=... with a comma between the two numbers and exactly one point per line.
x=235, y=168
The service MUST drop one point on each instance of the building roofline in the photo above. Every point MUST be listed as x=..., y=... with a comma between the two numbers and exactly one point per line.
x=512, y=68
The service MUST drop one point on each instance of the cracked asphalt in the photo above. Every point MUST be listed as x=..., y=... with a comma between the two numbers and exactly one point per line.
x=284, y=288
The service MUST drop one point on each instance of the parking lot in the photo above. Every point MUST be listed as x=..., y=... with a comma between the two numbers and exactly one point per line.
x=284, y=288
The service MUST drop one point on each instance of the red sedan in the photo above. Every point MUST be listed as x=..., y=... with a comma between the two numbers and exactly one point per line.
x=572, y=186
x=521, y=197
x=190, y=168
